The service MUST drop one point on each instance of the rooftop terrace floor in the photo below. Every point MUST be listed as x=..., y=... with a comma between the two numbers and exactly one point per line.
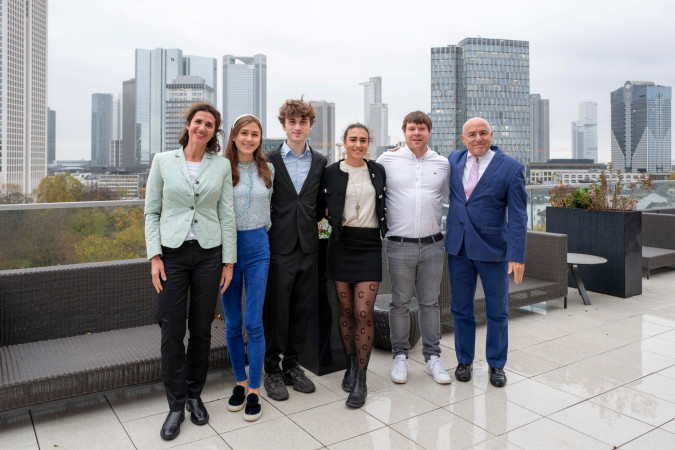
x=588, y=377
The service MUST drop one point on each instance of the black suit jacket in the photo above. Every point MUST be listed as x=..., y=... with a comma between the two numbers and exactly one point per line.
x=294, y=216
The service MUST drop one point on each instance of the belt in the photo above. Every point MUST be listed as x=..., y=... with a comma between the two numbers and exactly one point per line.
x=423, y=240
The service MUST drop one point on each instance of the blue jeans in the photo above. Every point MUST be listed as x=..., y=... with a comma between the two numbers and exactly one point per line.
x=253, y=262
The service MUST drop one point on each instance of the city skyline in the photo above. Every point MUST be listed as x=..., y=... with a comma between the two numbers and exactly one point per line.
x=573, y=57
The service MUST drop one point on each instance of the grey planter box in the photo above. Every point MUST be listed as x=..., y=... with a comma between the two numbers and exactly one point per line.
x=614, y=235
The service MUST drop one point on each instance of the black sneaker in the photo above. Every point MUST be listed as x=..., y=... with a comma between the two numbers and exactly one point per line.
x=236, y=402
x=296, y=377
x=463, y=372
x=253, y=409
x=274, y=386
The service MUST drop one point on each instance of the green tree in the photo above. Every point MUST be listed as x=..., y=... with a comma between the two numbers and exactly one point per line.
x=60, y=188
x=110, y=234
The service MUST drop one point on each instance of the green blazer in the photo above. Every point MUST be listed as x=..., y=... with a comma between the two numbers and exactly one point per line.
x=172, y=204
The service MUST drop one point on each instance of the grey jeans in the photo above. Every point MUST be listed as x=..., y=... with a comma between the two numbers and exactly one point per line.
x=415, y=271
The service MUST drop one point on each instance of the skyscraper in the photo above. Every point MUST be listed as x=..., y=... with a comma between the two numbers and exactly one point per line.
x=23, y=93
x=101, y=129
x=540, y=142
x=244, y=89
x=180, y=94
x=205, y=67
x=322, y=135
x=585, y=132
x=481, y=77
x=154, y=69
x=51, y=136
x=129, y=146
x=375, y=113
x=641, y=127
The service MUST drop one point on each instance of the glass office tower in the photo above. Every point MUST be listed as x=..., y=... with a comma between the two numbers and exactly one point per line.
x=641, y=127
x=481, y=77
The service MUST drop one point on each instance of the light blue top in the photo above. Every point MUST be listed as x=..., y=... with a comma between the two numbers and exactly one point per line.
x=252, y=198
x=297, y=166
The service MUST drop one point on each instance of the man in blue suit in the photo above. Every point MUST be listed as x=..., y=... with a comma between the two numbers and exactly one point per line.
x=486, y=234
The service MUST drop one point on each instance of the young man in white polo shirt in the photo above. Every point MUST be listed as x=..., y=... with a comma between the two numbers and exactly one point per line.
x=417, y=186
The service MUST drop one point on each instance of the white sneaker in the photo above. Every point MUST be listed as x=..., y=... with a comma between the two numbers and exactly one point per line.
x=437, y=369
x=399, y=371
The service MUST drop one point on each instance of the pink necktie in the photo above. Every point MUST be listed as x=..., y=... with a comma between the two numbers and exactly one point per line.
x=473, y=177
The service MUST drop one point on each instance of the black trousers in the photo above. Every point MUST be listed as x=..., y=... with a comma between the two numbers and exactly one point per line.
x=291, y=289
x=188, y=267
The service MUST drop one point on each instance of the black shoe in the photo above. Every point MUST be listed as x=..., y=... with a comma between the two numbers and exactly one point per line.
x=171, y=426
x=238, y=398
x=198, y=413
x=274, y=386
x=497, y=377
x=296, y=377
x=463, y=372
x=350, y=374
x=357, y=397
x=253, y=409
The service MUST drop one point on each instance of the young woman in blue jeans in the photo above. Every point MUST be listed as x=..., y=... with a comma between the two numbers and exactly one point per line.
x=252, y=179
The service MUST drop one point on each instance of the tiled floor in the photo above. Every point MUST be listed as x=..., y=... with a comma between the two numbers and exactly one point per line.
x=589, y=377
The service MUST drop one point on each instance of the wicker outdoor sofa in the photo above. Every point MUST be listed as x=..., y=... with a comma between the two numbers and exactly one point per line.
x=658, y=240
x=545, y=279
x=78, y=329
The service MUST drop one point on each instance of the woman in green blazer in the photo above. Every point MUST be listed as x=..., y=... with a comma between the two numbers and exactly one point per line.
x=190, y=235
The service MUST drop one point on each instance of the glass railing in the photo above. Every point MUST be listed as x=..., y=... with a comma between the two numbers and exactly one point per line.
x=663, y=196
x=50, y=234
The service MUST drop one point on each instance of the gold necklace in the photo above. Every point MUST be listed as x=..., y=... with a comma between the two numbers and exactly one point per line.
x=358, y=197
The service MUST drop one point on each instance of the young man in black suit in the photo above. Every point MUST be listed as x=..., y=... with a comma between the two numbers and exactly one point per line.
x=291, y=284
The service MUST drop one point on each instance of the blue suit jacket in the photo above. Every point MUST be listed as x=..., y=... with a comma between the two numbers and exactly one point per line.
x=481, y=222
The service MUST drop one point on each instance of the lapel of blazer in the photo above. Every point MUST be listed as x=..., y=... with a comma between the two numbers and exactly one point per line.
x=206, y=162
x=280, y=170
x=312, y=169
x=182, y=165
x=491, y=169
x=457, y=171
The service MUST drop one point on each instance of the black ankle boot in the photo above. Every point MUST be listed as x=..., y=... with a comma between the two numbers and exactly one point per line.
x=350, y=374
x=357, y=397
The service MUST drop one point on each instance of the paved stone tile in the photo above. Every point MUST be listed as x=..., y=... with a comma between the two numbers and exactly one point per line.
x=278, y=434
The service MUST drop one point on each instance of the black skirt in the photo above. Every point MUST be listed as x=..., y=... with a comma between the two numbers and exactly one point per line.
x=356, y=257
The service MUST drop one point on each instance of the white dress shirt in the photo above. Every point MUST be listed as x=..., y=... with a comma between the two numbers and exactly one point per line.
x=483, y=162
x=416, y=190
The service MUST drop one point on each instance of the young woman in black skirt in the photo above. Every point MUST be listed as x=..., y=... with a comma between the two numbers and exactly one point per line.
x=355, y=194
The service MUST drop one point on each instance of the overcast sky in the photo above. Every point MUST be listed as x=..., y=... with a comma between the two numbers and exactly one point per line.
x=579, y=50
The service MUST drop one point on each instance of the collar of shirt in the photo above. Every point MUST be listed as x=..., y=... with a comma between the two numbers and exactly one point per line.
x=483, y=162
x=285, y=149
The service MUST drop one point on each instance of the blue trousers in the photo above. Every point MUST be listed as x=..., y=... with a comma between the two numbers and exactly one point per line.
x=253, y=261
x=495, y=279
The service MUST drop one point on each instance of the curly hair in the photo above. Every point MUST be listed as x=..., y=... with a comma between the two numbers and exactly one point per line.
x=297, y=108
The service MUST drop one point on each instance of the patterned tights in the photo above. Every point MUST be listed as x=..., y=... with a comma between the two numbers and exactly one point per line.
x=356, y=318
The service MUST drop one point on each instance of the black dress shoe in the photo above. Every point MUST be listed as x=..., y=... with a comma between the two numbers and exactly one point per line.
x=497, y=377
x=296, y=377
x=463, y=372
x=171, y=426
x=198, y=413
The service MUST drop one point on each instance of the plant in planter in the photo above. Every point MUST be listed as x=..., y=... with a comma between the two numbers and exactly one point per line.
x=601, y=220
x=601, y=195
